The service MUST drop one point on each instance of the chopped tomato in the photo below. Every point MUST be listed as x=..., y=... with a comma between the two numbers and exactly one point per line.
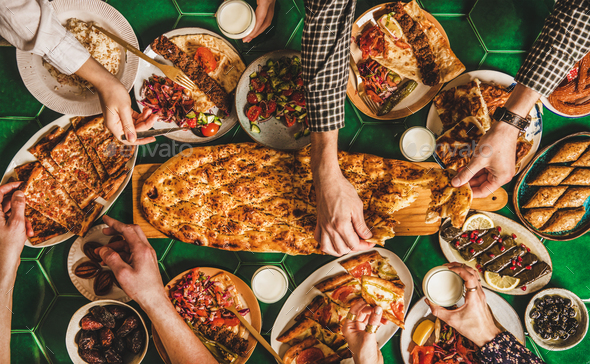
x=290, y=120
x=323, y=315
x=252, y=98
x=210, y=129
x=217, y=322
x=374, y=96
x=310, y=355
x=398, y=309
x=206, y=59
x=234, y=321
x=342, y=293
x=402, y=44
x=422, y=355
x=254, y=112
x=298, y=98
x=258, y=85
x=287, y=92
x=299, y=82
x=271, y=106
x=264, y=74
x=201, y=313
x=362, y=270
x=289, y=107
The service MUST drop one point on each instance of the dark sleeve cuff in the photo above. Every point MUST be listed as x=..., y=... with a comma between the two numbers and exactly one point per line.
x=505, y=349
x=325, y=110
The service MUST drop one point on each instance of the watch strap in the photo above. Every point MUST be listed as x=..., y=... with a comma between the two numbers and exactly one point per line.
x=502, y=114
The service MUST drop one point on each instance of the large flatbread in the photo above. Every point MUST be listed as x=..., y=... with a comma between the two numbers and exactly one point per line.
x=404, y=62
x=460, y=102
x=252, y=198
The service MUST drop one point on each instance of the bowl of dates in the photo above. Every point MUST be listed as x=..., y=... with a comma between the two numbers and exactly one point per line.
x=107, y=331
x=556, y=319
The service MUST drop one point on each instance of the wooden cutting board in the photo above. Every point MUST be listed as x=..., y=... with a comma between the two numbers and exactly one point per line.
x=411, y=218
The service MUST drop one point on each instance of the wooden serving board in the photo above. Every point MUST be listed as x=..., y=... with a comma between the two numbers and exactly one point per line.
x=412, y=218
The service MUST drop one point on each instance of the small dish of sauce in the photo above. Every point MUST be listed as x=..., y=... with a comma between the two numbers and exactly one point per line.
x=417, y=143
x=236, y=19
x=270, y=284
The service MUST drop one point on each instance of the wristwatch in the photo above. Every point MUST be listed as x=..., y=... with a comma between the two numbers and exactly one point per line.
x=502, y=114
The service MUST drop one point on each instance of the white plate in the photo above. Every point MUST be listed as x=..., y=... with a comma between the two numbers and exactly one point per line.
x=69, y=99
x=548, y=105
x=306, y=291
x=77, y=256
x=523, y=236
x=501, y=309
x=146, y=70
x=533, y=132
x=74, y=327
x=23, y=156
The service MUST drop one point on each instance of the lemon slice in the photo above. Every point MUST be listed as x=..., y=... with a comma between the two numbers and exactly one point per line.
x=423, y=332
x=388, y=22
x=478, y=222
x=501, y=283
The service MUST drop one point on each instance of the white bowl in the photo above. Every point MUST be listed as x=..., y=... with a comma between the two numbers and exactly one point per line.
x=74, y=327
x=582, y=317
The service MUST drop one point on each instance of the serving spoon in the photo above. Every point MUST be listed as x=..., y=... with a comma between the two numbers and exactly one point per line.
x=158, y=132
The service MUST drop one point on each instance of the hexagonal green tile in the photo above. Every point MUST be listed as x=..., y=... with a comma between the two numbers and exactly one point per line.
x=448, y=7
x=401, y=245
x=148, y=21
x=379, y=139
x=301, y=266
x=426, y=255
x=20, y=102
x=200, y=7
x=161, y=246
x=55, y=261
x=52, y=331
x=352, y=126
x=183, y=256
x=464, y=41
x=498, y=21
x=24, y=349
x=570, y=271
x=31, y=296
x=268, y=258
x=504, y=62
x=30, y=253
x=47, y=116
x=14, y=134
x=295, y=41
x=199, y=21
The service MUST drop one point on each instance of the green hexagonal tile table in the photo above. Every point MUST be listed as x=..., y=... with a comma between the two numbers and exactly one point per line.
x=484, y=34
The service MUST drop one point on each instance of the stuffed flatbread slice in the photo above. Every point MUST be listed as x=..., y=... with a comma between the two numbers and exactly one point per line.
x=389, y=295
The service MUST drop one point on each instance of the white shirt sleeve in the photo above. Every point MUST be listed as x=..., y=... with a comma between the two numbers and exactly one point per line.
x=32, y=26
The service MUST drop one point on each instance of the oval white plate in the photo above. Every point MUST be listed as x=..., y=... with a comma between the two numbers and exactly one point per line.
x=582, y=319
x=23, y=156
x=146, y=70
x=77, y=256
x=523, y=236
x=501, y=309
x=305, y=292
x=74, y=327
x=548, y=105
x=273, y=133
x=69, y=99
x=533, y=132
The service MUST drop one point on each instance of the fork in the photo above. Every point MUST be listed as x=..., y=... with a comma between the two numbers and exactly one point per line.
x=171, y=72
x=360, y=86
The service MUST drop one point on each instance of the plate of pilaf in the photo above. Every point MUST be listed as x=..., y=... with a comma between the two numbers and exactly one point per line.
x=70, y=94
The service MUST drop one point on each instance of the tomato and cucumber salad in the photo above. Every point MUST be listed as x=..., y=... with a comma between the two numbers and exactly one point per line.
x=277, y=90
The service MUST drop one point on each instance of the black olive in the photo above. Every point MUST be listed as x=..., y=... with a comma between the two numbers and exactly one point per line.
x=571, y=312
x=555, y=335
x=546, y=336
x=539, y=303
x=563, y=318
x=555, y=318
x=537, y=329
x=558, y=299
x=572, y=331
x=567, y=302
x=535, y=313
x=549, y=299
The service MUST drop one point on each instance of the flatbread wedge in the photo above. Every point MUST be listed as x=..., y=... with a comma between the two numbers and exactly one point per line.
x=389, y=295
x=312, y=351
x=343, y=289
x=306, y=328
x=325, y=312
x=370, y=264
x=457, y=145
x=460, y=102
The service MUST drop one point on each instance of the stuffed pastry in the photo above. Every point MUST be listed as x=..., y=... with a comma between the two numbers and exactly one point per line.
x=564, y=220
x=545, y=197
x=583, y=161
x=538, y=217
x=570, y=152
x=574, y=197
x=551, y=176
x=579, y=177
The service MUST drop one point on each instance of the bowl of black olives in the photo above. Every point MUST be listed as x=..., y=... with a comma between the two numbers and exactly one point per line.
x=107, y=331
x=556, y=319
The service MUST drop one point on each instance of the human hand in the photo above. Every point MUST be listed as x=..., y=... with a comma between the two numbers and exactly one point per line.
x=362, y=344
x=474, y=319
x=341, y=225
x=493, y=163
x=14, y=227
x=265, y=10
x=140, y=278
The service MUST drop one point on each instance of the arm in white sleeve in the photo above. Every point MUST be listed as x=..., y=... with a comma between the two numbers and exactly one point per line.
x=32, y=26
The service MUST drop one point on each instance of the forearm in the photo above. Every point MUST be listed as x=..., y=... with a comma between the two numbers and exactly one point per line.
x=6, y=287
x=172, y=329
x=324, y=155
x=505, y=349
x=96, y=74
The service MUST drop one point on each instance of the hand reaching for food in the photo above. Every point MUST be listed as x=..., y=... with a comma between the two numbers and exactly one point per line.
x=359, y=329
x=14, y=227
x=473, y=319
x=265, y=10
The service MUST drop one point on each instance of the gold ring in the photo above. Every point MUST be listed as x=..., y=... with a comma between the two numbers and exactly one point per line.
x=471, y=289
x=371, y=329
x=351, y=316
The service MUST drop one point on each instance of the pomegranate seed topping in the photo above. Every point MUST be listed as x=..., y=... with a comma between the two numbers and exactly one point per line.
x=513, y=268
x=464, y=235
x=528, y=267
x=500, y=240
x=492, y=255
x=475, y=232
x=471, y=250
x=499, y=229
x=523, y=288
x=480, y=270
x=513, y=236
x=502, y=248
x=494, y=236
x=519, y=259
x=522, y=246
x=478, y=266
x=480, y=240
x=528, y=250
x=519, y=264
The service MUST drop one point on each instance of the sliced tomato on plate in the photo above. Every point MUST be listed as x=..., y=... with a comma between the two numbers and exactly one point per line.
x=206, y=59
x=422, y=355
x=257, y=85
x=209, y=129
x=234, y=321
x=202, y=313
x=310, y=355
x=342, y=293
x=360, y=270
x=288, y=92
x=254, y=112
x=217, y=322
x=298, y=98
x=290, y=120
x=252, y=98
x=398, y=309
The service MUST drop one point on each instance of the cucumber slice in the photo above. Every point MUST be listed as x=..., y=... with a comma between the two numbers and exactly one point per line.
x=255, y=129
x=306, y=132
x=217, y=121
x=254, y=74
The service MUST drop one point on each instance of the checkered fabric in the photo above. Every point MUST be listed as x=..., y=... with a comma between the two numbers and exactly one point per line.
x=325, y=48
x=564, y=40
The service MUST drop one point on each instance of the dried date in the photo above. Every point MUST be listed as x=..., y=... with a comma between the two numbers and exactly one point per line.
x=87, y=270
x=106, y=337
x=129, y=325
x=103, y=283
x=103, y=316
x=113, y=357
x=119, y=312
x=92, y=356
x=118, y=345
x=90, y=251
x=87, y=339
x=90, y=323
x=134, y=341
